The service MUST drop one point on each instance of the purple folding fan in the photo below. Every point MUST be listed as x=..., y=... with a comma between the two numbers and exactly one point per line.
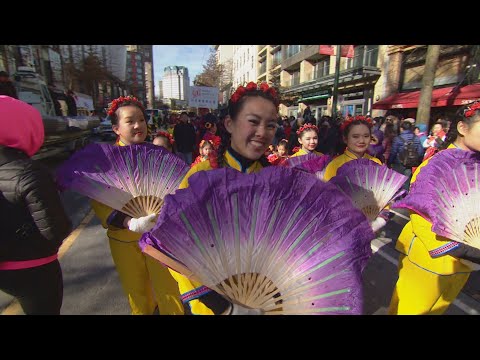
x=133, y=179
x=311, y=163
x=278, y=240
x=447, y=193
x=369, y=185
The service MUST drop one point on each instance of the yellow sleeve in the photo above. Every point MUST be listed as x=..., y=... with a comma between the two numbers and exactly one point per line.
x=204, y=165
x=330, y=170
x=102, y=211
x=188, y=287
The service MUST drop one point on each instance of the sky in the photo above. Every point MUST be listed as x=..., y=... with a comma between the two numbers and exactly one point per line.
x=193, y=57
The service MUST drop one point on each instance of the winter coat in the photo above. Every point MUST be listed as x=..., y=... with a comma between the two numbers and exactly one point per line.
x=32, y=218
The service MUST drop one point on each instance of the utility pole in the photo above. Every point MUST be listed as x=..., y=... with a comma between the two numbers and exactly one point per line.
x=335, y=82
x=425, y=101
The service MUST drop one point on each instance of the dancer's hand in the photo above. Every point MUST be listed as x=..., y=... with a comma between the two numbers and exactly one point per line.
x=378, y=223
x=142, y=224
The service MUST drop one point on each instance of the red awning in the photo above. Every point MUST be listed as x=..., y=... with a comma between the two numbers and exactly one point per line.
x=449, y=96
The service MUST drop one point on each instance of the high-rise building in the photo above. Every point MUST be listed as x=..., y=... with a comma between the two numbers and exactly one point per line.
x=176, y=83
x=147, y=57
x=136, y=75
x=160, y=89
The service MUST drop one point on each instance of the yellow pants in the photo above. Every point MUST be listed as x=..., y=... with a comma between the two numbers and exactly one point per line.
x=185, y=285
x=421, y=292
x=145, y=281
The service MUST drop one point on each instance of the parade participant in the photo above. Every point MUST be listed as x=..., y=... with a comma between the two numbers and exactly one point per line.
x=33, y=220
x=308, y=139
x=210, y=131
x=432, y=269
x=146, y=283
x=250, y=127
x=357, y=135
x=165, y=139
x=281, y=155
x=205, y=149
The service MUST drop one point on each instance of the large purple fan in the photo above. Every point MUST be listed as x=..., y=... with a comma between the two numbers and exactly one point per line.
x=311, y=163
x=447, y=193
x=133, y=179
x=296, y=161
x=370, y=186
x=278, y=240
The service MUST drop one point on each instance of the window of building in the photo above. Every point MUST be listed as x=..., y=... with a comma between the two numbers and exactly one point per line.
x=292, y=50
x=322, y=68
x=295, y=79
x=364, y=55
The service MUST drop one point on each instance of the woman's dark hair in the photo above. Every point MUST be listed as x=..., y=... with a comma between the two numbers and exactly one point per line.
x=460, y=116
x=234, y=108
x=347, y=125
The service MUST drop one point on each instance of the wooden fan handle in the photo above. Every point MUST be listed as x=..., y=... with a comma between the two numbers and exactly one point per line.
x=172, y=264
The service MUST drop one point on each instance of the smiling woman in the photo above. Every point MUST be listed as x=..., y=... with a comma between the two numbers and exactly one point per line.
x=250, y=128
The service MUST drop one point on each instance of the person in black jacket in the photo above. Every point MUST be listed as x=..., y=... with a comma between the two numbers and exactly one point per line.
x=33, y=222
x=184, y=135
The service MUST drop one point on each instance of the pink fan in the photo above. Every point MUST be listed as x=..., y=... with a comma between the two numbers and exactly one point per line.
x=277, y=240
x=370, y=186
x=133, y=179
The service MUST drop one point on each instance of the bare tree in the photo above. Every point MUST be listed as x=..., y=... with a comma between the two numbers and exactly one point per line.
x=213, y=73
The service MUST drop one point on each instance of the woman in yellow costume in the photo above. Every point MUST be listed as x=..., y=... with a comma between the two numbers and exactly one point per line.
x=308, y=139
x=146, y=282
x=250, y=127
x=357, y=134
x=432, y=270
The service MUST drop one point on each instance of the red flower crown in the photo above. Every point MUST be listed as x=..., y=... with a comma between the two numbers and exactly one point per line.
x=471, y=109
x=166, y=135
x=350, y=119
x=307, y=127
x=113, y=106
x=251, y=86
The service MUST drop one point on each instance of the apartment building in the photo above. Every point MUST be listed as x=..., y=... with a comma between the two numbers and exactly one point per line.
x=308, y=72
x=456, y=80
x=244, y=64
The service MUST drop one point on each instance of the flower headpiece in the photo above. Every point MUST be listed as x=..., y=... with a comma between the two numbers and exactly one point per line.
x=470, y=109
x=203, y=143
x=114, y=105
x=251, y=86
x=307, y=127
x=166, y=135
x=351, y=119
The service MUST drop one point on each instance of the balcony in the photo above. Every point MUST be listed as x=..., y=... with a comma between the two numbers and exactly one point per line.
x=363, y=73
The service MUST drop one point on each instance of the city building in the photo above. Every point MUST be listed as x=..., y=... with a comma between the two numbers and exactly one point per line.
x=175, y=84
x=244, y=64
x=224, y=55
x=456, y=80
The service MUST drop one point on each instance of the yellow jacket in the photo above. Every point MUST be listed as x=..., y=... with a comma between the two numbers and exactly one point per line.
x=103, y=212
x=425, y=248
x=303, y=152
x=230, y=161
x=340, y=160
